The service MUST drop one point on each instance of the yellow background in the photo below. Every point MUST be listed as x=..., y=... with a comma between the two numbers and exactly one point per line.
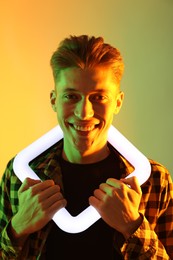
x=30, y=31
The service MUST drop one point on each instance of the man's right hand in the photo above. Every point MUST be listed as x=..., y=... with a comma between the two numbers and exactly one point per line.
x=38, y=202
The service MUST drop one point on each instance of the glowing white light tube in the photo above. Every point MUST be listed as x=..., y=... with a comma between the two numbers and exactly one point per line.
x=89, y=216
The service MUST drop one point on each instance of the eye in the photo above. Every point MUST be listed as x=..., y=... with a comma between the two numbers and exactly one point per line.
x=71, y=97
x=99, y=98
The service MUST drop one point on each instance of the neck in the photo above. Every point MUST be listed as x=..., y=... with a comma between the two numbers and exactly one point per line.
x=85, y=157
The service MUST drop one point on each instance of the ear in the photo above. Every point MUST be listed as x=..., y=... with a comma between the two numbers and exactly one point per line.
x=119, y=102
x=53, y=100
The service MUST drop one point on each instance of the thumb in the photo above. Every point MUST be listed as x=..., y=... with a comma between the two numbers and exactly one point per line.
x=28, y=182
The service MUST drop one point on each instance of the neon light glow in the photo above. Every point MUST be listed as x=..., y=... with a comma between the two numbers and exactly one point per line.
x=89, y=216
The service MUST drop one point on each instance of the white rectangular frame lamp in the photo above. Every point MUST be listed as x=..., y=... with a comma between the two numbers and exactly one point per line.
x=79, y=223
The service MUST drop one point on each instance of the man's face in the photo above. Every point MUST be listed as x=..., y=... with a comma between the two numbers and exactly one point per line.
x=85, y=101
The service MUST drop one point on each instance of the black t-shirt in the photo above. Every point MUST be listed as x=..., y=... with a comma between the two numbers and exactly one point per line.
x=80, y=180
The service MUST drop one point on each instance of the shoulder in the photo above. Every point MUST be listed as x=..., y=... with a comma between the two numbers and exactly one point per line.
x=160, y=172
x=9, y=187
x=159, y=185
x=38, y=163
x=43, y=160
x=8, y=171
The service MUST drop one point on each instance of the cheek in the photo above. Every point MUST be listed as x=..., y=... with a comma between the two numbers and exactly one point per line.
x=63, y=111
x=106, y=111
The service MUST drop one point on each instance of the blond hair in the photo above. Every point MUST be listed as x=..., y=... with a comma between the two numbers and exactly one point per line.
x=86, y=52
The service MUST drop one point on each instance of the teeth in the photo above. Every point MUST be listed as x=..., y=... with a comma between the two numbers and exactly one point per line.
x=84, y=128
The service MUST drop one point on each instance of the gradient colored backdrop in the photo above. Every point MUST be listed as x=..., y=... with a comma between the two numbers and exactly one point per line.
x=31, y=30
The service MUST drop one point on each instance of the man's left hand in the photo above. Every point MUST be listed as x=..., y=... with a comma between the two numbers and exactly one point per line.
x=118, y=202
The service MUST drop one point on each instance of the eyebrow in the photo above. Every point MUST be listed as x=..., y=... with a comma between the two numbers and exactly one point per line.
x=69, y=89
x=75, y=90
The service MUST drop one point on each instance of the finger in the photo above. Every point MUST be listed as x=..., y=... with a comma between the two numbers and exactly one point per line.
x=28, y=182
x=93, y=201
x=109, y=190
x=99, y=194
x=57, y=206
x=47, y=203
x=49, y=192
x=133, y=183
x=42, y=186
x=114, y=183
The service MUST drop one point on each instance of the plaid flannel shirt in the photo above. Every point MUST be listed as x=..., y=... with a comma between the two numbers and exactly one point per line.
x=152, y=240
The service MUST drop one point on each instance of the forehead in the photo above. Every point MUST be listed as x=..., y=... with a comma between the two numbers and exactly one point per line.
x=87, y=79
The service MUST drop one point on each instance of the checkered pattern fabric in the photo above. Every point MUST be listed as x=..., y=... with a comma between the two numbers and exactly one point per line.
x=152, y=240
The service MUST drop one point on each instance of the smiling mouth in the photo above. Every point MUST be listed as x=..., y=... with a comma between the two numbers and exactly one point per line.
x=84, y=128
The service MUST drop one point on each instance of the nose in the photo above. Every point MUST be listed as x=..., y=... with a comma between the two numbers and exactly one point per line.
x=84, y=109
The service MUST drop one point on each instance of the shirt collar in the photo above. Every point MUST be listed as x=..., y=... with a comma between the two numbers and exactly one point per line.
x=49, y=163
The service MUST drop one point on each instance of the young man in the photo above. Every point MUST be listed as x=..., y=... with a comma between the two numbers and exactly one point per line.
x=83, y=168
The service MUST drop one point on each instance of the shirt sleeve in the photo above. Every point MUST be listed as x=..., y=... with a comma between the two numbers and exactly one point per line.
x=8, y=250
x=8, y=208
x=154, y=238
x=144, y=244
